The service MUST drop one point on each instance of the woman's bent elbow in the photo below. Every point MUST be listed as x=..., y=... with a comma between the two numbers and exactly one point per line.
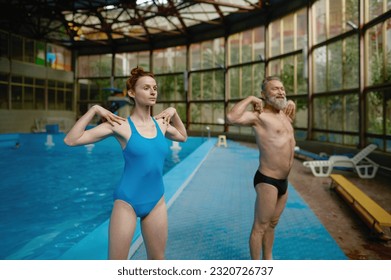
x=183, y=138
x=68, y=142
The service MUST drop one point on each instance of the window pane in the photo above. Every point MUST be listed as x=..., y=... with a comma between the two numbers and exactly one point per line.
x=16, y=95
x=375, y=55
x=212, y=53
x=105, y=65
x=83, y=66
x=352, y=12
x=207, y=113
x=207, y=55
x=289, y=32
x=302, y=87
x=51, y=99
x=259, y=42
x=171, y=88
x=195, y=55
x=335, y=113
x=275, y=31
x=301, y=29
x=301, y=119
x=334, y=63
x=169, y=60
x=247, y=46
x=83, y=90
x=69, y=101
x=125, y=62
x=351, y=63
x=335, y=20
x=60, y=100
x=29, y=47
x=97, y=90
x=207, y=86
x=16, y=48
x=28, y=98
x=374, y=112
x=275, y=67
x=3, y=96
x=288, y=75
x=351, y=118
x=195, y=86
x=234, y=49
x=180, y=59
x=320, y=26
x=377, y=8
x=234, y=82
x=320, y=111
x=320, y=59
x=248, y=81
x=39, y=99
x=94, y=65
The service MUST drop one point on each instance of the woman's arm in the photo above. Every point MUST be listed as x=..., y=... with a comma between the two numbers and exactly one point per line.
x=290, y=110
x=78, y=135
x=175, y=128
x=239, y=114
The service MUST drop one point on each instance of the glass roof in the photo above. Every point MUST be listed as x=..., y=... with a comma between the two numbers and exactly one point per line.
x=142, y=18
x=93, y=25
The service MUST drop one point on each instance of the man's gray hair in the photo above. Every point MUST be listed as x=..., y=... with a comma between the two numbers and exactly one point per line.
x=268, y=79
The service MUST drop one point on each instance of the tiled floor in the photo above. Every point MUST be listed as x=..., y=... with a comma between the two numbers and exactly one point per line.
x=212, y=217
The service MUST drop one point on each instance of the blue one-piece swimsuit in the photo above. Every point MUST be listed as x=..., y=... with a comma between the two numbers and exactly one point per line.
x=141, y=184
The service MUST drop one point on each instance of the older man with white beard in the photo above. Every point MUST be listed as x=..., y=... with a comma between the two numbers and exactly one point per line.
x=271, y=118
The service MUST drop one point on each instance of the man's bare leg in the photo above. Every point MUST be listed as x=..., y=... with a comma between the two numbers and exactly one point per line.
x=268, y=238
x=264, y=209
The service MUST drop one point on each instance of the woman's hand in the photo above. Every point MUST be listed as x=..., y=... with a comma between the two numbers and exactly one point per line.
x=107, y=115
x=290, y=109
x=166, y=115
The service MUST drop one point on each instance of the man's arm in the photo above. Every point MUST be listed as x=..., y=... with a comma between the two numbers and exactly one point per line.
x=239, y=114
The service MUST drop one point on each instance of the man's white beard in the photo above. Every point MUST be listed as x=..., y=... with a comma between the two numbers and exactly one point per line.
x=279, y=104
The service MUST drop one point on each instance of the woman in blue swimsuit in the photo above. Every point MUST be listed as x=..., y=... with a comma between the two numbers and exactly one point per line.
x=142, y=138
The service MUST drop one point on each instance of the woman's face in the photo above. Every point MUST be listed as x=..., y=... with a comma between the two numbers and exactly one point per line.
x=145, y=91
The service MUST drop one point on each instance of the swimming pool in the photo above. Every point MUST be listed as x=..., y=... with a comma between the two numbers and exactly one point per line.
x=54, y=195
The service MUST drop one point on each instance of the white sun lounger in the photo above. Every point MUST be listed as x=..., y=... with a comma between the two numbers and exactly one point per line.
x=364, y=167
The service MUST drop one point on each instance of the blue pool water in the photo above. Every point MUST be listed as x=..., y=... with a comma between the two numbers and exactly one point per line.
x=54, y=195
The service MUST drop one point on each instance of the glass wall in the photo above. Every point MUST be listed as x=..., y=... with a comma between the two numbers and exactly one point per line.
x=125, y=62
x=204, y=80
x=25, y=91
x=207, y=86
x=245, y=68
x=335, y=73
x=169, y=66
x=288, y=60
x=32, y=51
x=339, y=76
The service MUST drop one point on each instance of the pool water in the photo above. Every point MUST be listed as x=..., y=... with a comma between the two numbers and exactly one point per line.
x=54, y=195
